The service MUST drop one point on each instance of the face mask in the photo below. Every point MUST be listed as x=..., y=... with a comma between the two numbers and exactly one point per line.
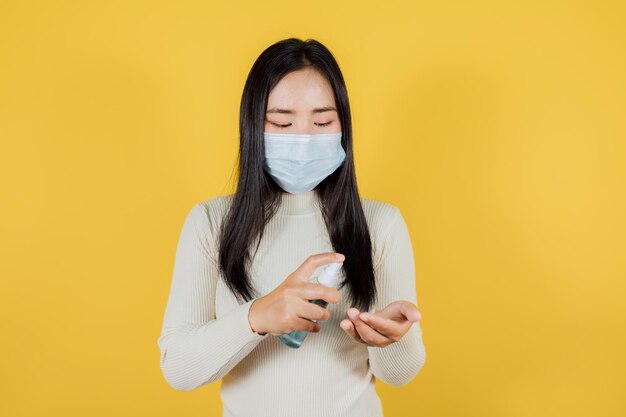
x=299, y=162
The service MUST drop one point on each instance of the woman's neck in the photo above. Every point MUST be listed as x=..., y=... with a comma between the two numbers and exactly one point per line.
x=294, y=204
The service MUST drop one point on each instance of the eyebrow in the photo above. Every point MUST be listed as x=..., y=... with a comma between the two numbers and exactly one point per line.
x=287, y=111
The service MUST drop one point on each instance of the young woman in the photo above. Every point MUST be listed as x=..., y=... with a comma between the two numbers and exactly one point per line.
x=244, y=261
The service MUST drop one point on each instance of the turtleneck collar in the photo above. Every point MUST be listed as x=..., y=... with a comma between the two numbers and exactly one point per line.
x=293, y=204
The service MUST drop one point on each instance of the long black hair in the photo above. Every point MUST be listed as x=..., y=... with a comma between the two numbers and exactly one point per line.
x=257, y=196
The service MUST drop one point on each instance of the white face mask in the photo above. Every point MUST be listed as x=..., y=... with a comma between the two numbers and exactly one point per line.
x=299, y=162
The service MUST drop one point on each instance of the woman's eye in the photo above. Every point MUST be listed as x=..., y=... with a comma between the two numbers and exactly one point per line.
x=289, y=124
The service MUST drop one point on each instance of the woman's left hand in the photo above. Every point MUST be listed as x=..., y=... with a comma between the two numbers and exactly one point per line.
x=383, y=327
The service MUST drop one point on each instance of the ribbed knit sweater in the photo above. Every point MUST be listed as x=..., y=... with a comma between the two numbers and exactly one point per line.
x=206, y=335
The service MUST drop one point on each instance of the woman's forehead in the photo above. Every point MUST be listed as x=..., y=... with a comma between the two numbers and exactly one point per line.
x=301, y=91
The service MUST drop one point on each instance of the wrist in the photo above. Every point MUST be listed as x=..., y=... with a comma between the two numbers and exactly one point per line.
x=252, y=319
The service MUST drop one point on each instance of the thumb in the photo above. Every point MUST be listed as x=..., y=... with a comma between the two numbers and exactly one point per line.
x=401, y=310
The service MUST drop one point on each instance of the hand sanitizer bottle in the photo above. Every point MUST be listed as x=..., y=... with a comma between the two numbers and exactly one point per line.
x=329, y=277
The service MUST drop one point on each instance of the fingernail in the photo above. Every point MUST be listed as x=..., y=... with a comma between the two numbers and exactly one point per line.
x=340, y=257
x=364, y=318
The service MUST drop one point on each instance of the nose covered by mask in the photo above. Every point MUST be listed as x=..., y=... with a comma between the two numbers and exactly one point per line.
x=299, y=162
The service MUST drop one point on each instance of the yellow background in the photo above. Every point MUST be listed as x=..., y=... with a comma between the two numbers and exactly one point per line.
x=496, y=127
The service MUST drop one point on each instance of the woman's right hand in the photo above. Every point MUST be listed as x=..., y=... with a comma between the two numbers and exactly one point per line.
x=287, y=307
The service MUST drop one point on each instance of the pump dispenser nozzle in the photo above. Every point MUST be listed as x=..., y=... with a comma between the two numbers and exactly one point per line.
x=330, y=276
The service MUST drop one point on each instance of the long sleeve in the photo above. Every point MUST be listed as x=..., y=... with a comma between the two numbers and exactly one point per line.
x=195, y=347
x=398, y=363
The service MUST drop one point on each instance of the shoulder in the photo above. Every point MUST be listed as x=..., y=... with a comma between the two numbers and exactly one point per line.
x=383, y=220
x=379, y=214
x=208, y=214
x=216, y=207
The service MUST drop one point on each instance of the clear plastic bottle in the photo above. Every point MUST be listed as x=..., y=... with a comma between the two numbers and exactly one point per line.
x=329, y=277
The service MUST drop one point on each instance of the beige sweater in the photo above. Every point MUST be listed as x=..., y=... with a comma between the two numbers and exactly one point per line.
x=206, y=335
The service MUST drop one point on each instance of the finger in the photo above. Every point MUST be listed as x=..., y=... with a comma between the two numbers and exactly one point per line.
x=367, y=334
x=310, y=311
x=313, y=262
x=389, y=328
x=371, y=336
x=348, y=327
x=320, y=292
x=306, y=326
x=410, y=311
x=401, y=310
